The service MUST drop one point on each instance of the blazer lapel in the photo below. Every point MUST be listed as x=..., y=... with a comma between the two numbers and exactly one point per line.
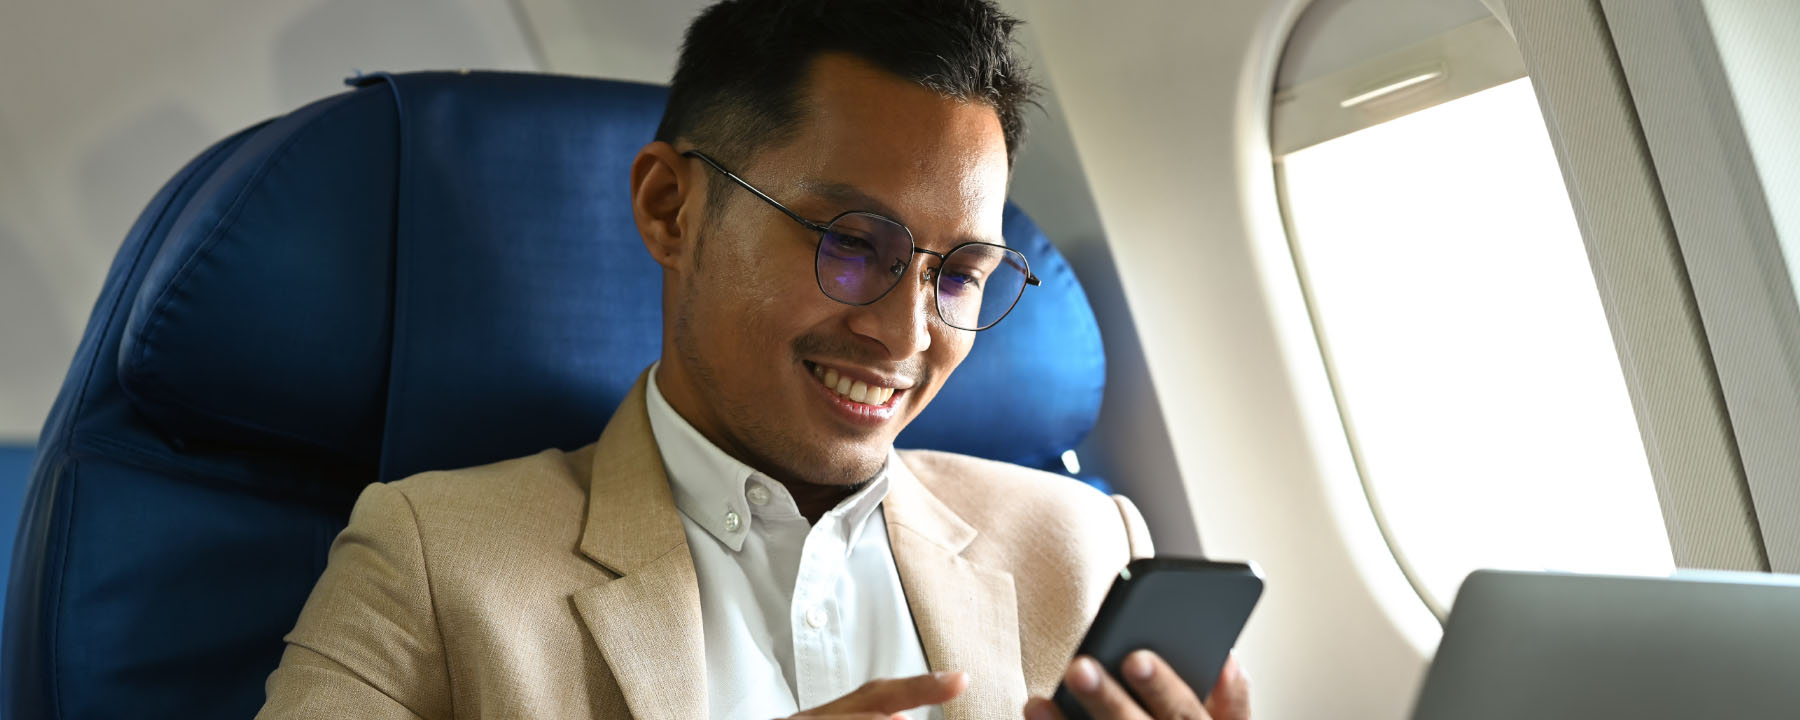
x=647, y=620
x=967, y=615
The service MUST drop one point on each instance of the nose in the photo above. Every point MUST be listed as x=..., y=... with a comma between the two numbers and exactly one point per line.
x=902, y=320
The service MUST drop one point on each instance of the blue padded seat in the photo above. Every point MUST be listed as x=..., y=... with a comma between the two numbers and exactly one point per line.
x=430, y=271
x=15, y=468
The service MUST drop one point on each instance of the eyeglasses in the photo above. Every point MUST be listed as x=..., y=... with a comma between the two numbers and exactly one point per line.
x=863, y=255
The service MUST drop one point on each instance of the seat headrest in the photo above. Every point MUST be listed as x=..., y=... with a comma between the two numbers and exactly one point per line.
x=264, y=317
x=441, y=269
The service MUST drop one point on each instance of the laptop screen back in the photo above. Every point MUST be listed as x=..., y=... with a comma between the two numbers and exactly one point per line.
x=1556, y=647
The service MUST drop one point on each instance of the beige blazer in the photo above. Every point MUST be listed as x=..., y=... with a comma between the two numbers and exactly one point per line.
x=560, y=586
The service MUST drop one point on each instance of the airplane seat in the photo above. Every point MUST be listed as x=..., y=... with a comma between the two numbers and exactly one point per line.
x=15, y=467
x=430, y=271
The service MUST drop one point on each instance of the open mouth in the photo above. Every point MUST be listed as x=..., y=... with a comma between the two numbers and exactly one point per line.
x=854, y=390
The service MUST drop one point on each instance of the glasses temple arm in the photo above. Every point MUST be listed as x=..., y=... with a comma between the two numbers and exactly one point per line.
x=815, y=227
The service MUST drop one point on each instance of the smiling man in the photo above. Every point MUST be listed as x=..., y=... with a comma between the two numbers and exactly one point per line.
x=824, y=196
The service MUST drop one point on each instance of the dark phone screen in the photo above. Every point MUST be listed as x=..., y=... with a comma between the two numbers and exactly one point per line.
x=1187, y=610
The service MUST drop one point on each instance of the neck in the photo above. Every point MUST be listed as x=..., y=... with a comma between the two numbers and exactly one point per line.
x=815, y=500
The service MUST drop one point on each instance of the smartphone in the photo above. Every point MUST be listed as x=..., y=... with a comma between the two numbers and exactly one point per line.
x=1187, y=610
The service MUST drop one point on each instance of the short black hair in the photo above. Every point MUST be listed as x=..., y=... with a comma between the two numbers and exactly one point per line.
x=738, y=84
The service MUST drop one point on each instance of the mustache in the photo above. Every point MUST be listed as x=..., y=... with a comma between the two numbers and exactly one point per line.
x=850, y=352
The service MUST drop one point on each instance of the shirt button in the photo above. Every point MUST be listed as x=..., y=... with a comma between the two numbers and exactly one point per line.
x=759, y=495
x=816, y=618
x=732, y=522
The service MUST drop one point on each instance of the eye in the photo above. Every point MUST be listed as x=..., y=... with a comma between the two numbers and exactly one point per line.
x=961, y=278
x=846, y=246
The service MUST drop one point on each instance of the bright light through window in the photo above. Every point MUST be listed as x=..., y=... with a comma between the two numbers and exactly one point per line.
x=1469, y=348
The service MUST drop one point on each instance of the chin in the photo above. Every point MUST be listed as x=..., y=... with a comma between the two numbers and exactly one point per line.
x=849, y=468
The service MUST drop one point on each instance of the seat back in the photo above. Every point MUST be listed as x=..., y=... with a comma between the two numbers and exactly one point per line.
x=430, y=271
x=15, y=468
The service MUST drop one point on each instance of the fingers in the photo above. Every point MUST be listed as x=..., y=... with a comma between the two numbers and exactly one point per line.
x=883, y=698
x=855, y=716
x=1164, y=693
x=1103, y=697
x=1230, y=699
x=1038, y=708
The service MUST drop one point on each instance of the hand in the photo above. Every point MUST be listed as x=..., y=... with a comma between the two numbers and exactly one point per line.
x=1165, y=696
x=885, y=699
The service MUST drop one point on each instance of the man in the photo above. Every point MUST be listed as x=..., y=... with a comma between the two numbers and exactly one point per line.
x=824, y=196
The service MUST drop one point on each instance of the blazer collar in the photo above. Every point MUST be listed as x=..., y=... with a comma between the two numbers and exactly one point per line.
x=631, y=516
x=646, y=621
x=966, y=614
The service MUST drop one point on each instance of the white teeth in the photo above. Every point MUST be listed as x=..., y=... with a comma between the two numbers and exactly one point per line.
x=855, y=390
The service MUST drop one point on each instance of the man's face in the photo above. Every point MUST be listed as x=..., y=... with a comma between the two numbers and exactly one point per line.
x=749, y=337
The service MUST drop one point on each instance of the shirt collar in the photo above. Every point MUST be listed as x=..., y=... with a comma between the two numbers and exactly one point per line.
x=854, y=512
x=709, y=484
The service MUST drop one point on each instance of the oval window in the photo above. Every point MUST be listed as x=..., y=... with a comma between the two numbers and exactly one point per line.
x=1459, y=317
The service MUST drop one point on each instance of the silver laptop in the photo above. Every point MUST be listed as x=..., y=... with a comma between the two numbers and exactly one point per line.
x=1556, y=646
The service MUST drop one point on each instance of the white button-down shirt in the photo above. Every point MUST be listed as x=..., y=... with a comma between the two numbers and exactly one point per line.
x=795, y=615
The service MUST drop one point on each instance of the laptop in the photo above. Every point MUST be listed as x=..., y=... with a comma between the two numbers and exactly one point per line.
x=1560, y=646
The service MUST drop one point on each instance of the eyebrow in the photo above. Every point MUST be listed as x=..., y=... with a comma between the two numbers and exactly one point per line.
x=851, y=198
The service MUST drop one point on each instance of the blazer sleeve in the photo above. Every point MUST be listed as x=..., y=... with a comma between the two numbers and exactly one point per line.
x=1137, y=534
x=367, y=644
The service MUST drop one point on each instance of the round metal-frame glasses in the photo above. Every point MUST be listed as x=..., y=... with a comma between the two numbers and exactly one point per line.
x=863, y=255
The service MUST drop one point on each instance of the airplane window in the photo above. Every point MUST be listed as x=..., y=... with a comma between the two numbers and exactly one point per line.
x=1467, y=344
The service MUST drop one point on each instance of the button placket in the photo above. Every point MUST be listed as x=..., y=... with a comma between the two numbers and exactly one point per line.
x=818, y=632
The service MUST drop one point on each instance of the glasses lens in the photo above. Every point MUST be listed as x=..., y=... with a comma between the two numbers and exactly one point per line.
x=979, y=284
x=861, y=256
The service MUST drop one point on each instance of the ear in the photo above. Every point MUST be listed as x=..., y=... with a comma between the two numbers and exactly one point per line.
x=659, y=200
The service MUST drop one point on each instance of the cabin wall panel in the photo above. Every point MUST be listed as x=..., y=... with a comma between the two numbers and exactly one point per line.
x=1643, y=280
x=1756, y=43
x=1130, y=446
x=1757, y=57
x=1718, y=125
